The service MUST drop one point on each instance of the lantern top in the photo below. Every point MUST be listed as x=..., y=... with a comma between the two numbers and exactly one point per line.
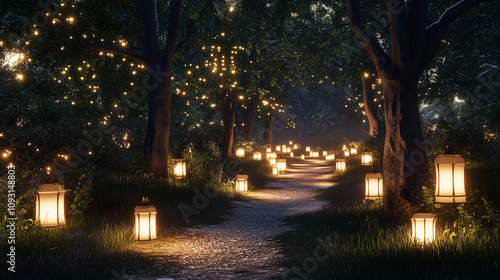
x=423, y=216
x=373, y=175
x=449, y=159
x=51, y=188
x=179, y=159
x=341, y=158
x=281, y=160
x=145, y=209
x=241, y=177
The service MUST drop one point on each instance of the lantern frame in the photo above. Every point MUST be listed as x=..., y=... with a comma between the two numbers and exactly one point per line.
x=179, y=168
x=54, y=192
x=450, y=179
x=340, y=165
x=423, y=224
x=367, y=158
x=374, y=186
x=145, y=216
x=240, y=152
x=257, y=156
x=241, y=182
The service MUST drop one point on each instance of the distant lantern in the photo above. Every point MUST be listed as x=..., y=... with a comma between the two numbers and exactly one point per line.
x=423, y=228
x=281, y=164
x=241, y=182
x=295, y=147
x=240, y=152
x=290, y=142
x=302, y=157
x=278, y=148
x=314, y=154
x=308, y=149
x=283, y=148
x=354, y=151
x=275, y=170
x=288, y=150
x=366, y=158
x=257, y=156
x=325, y=153
x=145, y=221
x=268, y=150
x=340, y=165
x=373, y=186
x=50, y=205
x=330, y=157
x=291, y=154
x=271, y=155
x=272, y=161
x=346, y=153
x=450, y=185
x=179, y=168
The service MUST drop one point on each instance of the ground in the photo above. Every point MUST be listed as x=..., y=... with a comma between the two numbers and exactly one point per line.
x=243, y=245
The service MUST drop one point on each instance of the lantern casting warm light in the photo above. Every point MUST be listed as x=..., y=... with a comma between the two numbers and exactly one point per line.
x=450, y=185
x=354, y=151
x=271, y=155
x=295, y=147
x=302, y=157
x=179, y=168
x=281, y=164
x=275, y=170
x=423, y=228
x=145, y=221
x=268, y=150
x=314, y=154
x=257, y=156
x=308, y=149
x=50, y=205
x=340, y=165
x=241, y=182
x=373, y=186
x=272, y=161
x=291, y=154
x=278, y=148
x=240, y=152
x=366, y=158
x=346, y=153
x=325, y=153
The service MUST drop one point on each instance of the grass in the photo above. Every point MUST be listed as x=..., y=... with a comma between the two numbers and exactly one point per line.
x=351, y=240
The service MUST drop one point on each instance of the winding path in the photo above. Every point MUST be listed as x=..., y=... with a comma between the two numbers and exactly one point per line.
x=242, y=246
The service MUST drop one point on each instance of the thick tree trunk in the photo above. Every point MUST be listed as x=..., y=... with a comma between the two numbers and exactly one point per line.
x=370, y=107
x=268, y=127
x=248, y=117
x=228, y=117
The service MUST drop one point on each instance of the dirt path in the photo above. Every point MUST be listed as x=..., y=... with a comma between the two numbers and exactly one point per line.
x=242, y=246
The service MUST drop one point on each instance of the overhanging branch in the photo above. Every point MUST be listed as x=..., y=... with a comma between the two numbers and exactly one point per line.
x=124, y=53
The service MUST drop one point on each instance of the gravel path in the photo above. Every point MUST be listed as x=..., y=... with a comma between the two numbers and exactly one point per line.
x=242, y=246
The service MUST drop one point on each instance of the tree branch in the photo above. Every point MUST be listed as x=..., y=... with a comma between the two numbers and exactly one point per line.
x=436, y=31
x=369, y=40
x=400, y=46
x=416, y=19
x=173, y=29
x=152, y=38
x=124, y=53
x=188, y=34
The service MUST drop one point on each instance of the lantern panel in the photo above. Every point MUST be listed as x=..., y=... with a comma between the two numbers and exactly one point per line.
x=291, y=154
x=340, y=165
x=423, y=227
x=346, y=153
x=50, y=205
x=241, y=182
x=179, y=168
x=308, y=149
x=257, y=156
x=281, y=164
x=373, y=186
x=450, y=184
x=240, y=152
x=272, y=161
x=145, y=223
x=366, y=158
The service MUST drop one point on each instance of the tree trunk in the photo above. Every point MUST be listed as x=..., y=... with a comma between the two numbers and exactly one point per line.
x=248, y=117
x=268, y=127
x=228, y=117
x=370, y=107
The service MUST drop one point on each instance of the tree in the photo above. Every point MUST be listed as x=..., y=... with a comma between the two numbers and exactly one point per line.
x=413, y=45
x=370, y=106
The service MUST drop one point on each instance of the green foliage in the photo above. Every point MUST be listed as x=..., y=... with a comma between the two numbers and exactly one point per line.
x=204, y=164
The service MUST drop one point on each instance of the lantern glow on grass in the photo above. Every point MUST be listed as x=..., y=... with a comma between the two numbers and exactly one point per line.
x=423, y=228
x=240, y=152
x=179, y=168
x=366, y=158
x=145, y=221
x=340, y=165
x=281, y=164
x=257, y=156
x=241, y=182
x=373, y=186
x=50, y=205
x=450, y=183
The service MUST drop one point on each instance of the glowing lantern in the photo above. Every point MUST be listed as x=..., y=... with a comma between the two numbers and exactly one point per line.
x=314, y=154
x=295, y=147
x=340, y=165
x=450, y=185
x=330, y=157
x=257, y=156
x=353, y=150
x=366, y=158
x=346, y=153
x=423, y=227
x=288, y=150
x=240, y=152
x=278, y=148
x=271, y=155
x=291, y=154
x=290, y=142
x=373, y=186
x=281, y=164
x=145, y=221
x=308, y=149
x=50, y=205
x=268, y=150
x=302, y=157
x=242, y=182
x=272, y=161
x=283, y=148
x=275, y=170
x=325, y=153
x=179, y=168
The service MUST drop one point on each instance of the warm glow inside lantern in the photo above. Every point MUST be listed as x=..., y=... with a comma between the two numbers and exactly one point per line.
x=314, y=154
x=291, y=154
x=423, y=227
x=288, y=150
x=373, y=186
x=268, y=150
x=302, y=157
x=272, y=161
x=50, y=205
x=257, y=156
x=325, y=153
x=240, y=152
x=346, y=153
x=275, y=170
x=366, y=158
x=278, y=148
x=283, y=148
x=179, y=168
x=145, y=221
x=295, y=147
x=330, y=157
x=354, y=151
x=308, y=149
x=241, y=182
x=340, y=165
x=450, y=185
x=281, y=164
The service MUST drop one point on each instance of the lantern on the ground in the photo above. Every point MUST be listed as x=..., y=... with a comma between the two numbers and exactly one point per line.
x=281, y=164
x=145, y=221
x=50, y=205
x=302, y=157
x=373, y=185
x=295, y=147
x=271, y=155
x=325, y=153
x=268, y=150
x=450, y=185
x=272, y=161
x=290, y=142
x=308, y=149
x=346, y=153
x=179, y=168
x=366, y=158
x=354, y=151
x=240, y=152
x=275, y=170
x=241, y=182
x=291, y=154
x=283, y=148
x=278, y=148
x=330, y=157
x=257, y=156
x=340, y=165
x=288, y=150
x=423, y=227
